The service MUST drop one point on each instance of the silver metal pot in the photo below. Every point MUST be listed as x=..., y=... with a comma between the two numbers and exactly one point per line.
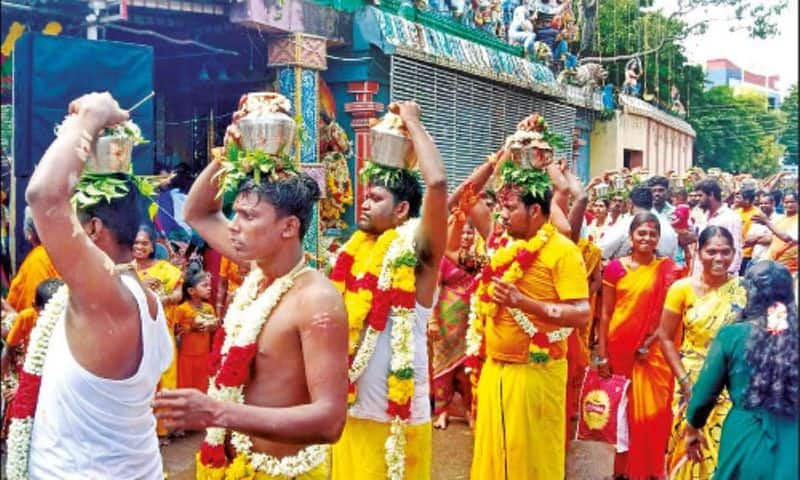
x=111, y=155
x=270, y=132
x=390, y=149
x=526, y=157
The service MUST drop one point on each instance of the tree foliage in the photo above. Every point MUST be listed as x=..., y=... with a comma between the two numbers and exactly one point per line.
x=625, y=30
x=789, y=137
x=757, y=17
x=739, y=134
x=735, y=133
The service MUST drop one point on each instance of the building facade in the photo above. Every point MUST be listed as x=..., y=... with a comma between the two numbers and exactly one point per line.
x=723, y=72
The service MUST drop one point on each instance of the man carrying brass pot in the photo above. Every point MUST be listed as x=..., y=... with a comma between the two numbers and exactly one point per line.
x=387, y=273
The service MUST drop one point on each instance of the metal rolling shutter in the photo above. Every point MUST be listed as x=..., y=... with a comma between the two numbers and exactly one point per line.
x=468, y=117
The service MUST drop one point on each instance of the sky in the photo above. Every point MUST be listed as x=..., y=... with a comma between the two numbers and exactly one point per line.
x=777, y=55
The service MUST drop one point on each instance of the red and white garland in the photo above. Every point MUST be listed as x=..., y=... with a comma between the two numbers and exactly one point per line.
x=232, y=354
x=23, y=408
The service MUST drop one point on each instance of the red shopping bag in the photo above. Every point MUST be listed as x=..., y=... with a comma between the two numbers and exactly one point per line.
x=603, y=409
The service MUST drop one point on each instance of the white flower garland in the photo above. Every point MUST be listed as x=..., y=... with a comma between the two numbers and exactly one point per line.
x=303, y=461
x=243, y=323
x=474, y=334
x=21, y=429
x=528, y=327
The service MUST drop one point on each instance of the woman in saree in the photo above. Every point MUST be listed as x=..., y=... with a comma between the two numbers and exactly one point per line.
x=448, y=325
x=634, y=288
x=694, y=311
x=164, y=280
x=755, y=359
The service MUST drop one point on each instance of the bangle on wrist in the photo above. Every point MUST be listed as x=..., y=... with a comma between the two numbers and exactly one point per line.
x=601, y=361
x=684, y=379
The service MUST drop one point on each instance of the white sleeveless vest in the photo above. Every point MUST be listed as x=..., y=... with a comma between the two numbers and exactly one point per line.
x=87, y=427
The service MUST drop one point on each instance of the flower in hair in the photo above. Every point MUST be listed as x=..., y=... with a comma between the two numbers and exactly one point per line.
x=777, y=318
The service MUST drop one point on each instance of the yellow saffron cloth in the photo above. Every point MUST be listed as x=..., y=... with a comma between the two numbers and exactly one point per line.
x=36, y=268
x=557, y=274
x=520, y=429
x=240, y=469
x=360, y=453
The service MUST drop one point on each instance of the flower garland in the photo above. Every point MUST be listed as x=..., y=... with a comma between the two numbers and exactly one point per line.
x=23, y=408
x=377, y=279
x=340, y=191
x=229, y=362
x=509, y=263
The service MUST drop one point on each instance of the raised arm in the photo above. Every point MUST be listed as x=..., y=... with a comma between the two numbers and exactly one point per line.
x=432, y=234
x=580, y=200
x=203, y=208
x=478, y=178
x=87, y=270
x=481, y=218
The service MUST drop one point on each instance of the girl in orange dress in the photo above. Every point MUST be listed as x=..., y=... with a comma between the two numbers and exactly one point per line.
x=194, y=321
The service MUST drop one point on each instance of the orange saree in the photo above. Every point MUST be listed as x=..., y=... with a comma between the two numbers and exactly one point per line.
x=36, y=268
x=640, y=297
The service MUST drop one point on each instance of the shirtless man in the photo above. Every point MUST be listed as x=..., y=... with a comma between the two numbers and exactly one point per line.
x=296, y=394
x=110, y=341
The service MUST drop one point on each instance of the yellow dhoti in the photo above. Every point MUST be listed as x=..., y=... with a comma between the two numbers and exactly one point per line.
x=520, y=429
x=241, y=469
x=360, y=453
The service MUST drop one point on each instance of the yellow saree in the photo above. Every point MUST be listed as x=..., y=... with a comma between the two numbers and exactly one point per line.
x=702, y=319
x=169, y=278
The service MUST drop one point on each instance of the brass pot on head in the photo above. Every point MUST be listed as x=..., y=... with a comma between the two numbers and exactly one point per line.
x=619, y=182
x=788, y=182
x=601, y=190
x=269, y=132
x=111, y=154
x=390, y=148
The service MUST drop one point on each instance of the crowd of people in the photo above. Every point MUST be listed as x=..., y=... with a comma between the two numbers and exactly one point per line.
x=494, y=301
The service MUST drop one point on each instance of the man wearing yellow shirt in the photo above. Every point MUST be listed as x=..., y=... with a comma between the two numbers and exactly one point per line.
x=520, y=427
x=746, y=197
